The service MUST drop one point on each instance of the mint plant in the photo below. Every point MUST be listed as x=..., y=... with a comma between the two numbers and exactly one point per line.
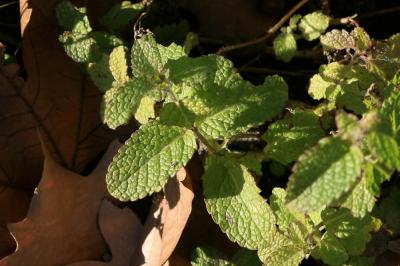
x=203, y=103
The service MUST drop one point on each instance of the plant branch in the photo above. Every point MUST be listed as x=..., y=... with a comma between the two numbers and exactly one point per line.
x=270, y=32
x=266, y=70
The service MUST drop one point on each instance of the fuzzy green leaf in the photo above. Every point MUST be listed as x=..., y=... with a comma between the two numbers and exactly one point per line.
x=100, y=73
x=268, y=99
x=362, y=39
x=176, y=115
x=232, y=198
x=106, y=42
x=282, y=251
x=337, y=40
x=148, y=159
x=386, y=61
x=203, y=256
x=360, y=201
x=352, y=232
x=120, y=103
x=342, y=85
x=285, y=46
x=390, y=112
x=312, y=25
x=148, y=58
x=330, y=250
x=119, y=65
x=385, y=148
x=288, y=138
x=245, y=257
x=80, y=47
x=209, y=87
x=145, y=110
x=71, y=18
x=360, y=261
x=323, y=174
x=121, y=15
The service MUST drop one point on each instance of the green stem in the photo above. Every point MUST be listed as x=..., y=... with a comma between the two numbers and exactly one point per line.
x=210, y=147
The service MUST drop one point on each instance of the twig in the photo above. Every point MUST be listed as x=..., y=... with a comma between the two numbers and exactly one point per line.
x=266, y=70
x=270, y=32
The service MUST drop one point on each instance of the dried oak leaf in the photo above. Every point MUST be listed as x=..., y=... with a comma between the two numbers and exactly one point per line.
x=121, y=229
x=56, y=98
x=61, y=225
x=152, y=244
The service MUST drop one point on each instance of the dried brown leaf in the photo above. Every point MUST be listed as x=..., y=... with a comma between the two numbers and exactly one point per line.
x=121, y=229
x=165, y=223
x=61, y=225
x=58, y=99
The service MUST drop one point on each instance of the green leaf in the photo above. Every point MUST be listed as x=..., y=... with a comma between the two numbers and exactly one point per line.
x=284, y=217
x=323, y=174
x=245, y=257
x=386, y=60
x=294, y=225
x=385, y=148
x=360, y=261
x=285, y=46
x=352, y=232
x=390, y=112
x=362, y=39
x=80, y=47
x=342, y=85
x=337, y=40
x=174, y=114
x=288, y=138
x=325, y=84
x=294, y=20
x=330, y=250
x=107, y=42
x=191, y=41
x=118, y=64
x=209, y=87
x=360, y=201
x=148, y=57
x=267, y=101
x=121, y=14
x=100, y=73
x=232, y=198
x=205, y=255
x=148, y=159
x=281, y=251
x=312, y=25
x=120, y=103
x=86, y=48
x=71, y=18
x=145, y=111
x=375, y=176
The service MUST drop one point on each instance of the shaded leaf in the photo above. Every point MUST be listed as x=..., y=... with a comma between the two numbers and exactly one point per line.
x=232, y=198
x=323, y=174
x=285, y=46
